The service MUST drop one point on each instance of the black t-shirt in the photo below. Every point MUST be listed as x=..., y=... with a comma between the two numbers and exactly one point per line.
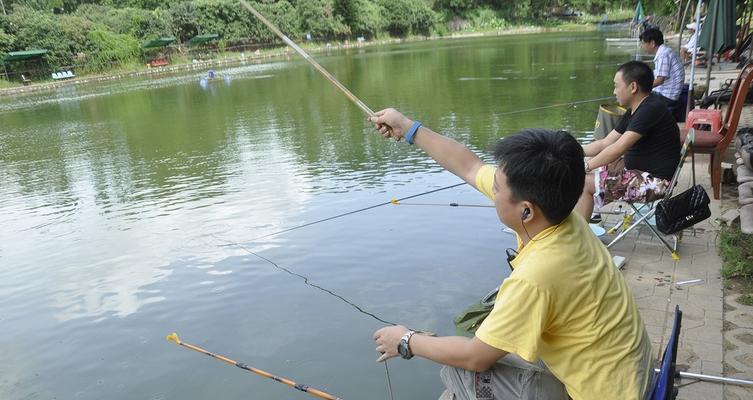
x=658, y=150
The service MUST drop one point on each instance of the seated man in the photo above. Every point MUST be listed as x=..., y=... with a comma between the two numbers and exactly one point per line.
x=646, y=135
x=668, y=69
x=686, y=51
x=564, y=322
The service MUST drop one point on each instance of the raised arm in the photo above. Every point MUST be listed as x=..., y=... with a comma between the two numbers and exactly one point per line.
x=450, y=154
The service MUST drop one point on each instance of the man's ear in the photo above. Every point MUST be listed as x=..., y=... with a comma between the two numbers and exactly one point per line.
x=528, y=212
x=634, y=87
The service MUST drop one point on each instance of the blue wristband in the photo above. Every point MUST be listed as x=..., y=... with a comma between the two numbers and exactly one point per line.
x=412, y=132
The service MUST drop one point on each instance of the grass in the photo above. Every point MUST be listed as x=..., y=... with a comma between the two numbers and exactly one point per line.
x=746, y=299
x=736, y=249
x=6, y=84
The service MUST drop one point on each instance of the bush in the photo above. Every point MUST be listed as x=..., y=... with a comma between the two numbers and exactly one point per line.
x=318, y=18
x=107, y=48
x=403, y=17
x=63, y=36
x=139, y=23
x=6, y=43
x=368, y=21
x=184, y=18
x=486, y=19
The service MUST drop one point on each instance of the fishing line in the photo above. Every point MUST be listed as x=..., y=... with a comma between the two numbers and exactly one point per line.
x=556, y=105
x=306, y=281
x=399, y=203
x=356, y=211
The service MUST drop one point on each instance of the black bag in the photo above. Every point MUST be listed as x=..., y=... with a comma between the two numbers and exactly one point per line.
x=686, y=209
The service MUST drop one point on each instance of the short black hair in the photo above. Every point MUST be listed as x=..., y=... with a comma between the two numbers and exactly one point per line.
x=638, y=72
x=544, y=167
x=652, y=35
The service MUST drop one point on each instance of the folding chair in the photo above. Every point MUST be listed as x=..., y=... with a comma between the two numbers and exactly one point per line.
x=644, y=211
x=663, y=384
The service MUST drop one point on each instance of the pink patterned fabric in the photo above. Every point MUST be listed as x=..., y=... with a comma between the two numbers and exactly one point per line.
x=631, y=185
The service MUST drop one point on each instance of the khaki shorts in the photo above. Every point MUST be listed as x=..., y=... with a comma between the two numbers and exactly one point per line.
x=510, y=378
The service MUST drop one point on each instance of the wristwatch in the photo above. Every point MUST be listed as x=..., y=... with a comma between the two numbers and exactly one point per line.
x=403, y=347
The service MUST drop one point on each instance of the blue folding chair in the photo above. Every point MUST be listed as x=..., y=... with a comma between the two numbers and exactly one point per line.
x=663, y=386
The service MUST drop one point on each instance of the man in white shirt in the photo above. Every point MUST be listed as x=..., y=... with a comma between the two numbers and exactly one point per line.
x=669, y=73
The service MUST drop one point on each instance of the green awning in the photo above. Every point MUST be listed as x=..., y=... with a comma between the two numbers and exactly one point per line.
x=161, y=42
x=24, y=55
x=724, y=35
x=201, y=39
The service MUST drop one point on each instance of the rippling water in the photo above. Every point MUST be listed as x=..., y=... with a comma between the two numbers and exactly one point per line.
x=132, y=209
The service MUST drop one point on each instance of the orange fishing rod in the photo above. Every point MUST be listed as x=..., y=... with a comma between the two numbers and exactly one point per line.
x=173, y=337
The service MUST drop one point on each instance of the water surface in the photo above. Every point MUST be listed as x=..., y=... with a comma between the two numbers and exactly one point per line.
x=129, y=210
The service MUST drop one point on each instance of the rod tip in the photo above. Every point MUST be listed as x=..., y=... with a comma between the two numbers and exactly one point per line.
x=173, y=337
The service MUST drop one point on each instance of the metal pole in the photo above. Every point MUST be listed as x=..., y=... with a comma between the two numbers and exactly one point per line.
x=711, y=43
x=681, y=23
x=695, y=55
x=712, y=378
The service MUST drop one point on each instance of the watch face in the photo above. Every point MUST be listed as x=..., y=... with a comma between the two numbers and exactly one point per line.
x=402, y=349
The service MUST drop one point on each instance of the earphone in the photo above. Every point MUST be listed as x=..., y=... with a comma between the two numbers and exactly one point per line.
x=526, y=213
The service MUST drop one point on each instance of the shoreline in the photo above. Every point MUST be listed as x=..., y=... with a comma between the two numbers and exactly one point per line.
x=277, y=53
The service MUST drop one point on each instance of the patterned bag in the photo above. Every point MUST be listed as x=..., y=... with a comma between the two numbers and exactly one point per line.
x=686, y=209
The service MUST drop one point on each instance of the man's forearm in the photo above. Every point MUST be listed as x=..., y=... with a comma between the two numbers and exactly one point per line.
x=593, y=148
x=606, y=156
x=450, y=154
x=658, y=81
x=455, y=351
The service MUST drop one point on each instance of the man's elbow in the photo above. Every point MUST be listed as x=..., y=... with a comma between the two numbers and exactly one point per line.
x=481, y=362
x=479, y=365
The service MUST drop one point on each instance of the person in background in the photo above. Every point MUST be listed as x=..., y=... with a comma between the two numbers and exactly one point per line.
x=646, y=135
x=669, y=73
x=686, y=51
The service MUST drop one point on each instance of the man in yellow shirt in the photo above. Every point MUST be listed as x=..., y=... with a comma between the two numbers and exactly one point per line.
x=564, y=322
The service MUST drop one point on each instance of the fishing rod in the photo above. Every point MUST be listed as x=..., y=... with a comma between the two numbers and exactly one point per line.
x=308, y=58
x=173, y=337
x=399, y=203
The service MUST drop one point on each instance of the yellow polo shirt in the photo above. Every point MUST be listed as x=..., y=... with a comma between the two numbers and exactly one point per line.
x=566, y=304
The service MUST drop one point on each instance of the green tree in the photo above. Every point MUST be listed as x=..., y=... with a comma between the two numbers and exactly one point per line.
x=107, y=48
x=402, y=17
x=318, y=18
x=184, y=18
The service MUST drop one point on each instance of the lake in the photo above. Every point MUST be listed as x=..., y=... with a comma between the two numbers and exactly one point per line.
x=132, y=209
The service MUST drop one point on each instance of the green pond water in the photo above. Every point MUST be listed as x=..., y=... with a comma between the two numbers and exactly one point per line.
x=130, y=209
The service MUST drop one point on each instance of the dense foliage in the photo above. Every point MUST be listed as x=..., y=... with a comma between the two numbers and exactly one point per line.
x=94, y=34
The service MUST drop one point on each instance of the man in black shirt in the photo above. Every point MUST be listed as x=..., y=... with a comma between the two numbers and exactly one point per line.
x=648, y=138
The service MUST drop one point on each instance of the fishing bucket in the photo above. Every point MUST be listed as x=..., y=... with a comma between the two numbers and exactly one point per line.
x=609, y=116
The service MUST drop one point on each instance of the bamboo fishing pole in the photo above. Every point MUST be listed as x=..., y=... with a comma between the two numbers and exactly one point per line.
x=308, y=58
x=173, y=337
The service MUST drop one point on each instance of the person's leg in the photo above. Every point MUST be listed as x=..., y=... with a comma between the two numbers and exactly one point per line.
x=510, y=378
x=585, y=205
